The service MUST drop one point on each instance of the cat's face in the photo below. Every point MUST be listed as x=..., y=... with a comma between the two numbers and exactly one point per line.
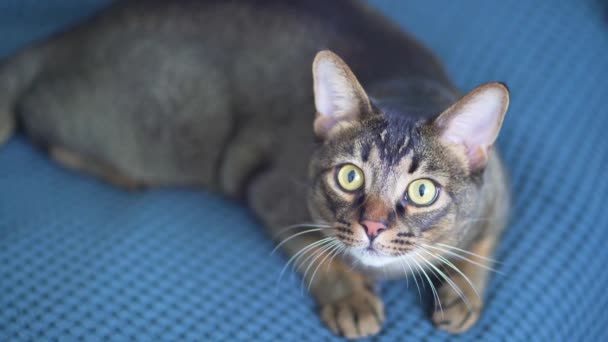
x=388, y=184
x=386, y=190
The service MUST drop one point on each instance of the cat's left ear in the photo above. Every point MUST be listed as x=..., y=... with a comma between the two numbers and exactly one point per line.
x=340, y=100
x=474, y=122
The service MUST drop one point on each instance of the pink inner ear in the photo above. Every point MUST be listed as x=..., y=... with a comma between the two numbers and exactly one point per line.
x=475, y=123
x=323, y=90
x=337, y=97
x=323, y=124
x=478, y=158
x=334, y=93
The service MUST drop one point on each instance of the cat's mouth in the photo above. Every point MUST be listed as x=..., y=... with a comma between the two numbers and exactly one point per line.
x=375, y=254
x=374, y=250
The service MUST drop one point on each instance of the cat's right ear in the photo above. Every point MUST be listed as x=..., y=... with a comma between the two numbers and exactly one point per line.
x=340, y=100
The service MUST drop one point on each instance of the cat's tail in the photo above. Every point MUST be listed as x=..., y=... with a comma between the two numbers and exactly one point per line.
x=16, y=74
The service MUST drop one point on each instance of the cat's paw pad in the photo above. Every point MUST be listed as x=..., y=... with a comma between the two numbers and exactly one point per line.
x=456, y=316
x=358, y=315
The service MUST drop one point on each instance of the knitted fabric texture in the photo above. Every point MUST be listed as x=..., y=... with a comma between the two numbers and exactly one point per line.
x=80, y=260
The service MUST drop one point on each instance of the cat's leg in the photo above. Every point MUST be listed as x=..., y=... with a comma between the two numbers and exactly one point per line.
x=348, y=304
x=99, y=169
x=458, y=316
x=346, y=298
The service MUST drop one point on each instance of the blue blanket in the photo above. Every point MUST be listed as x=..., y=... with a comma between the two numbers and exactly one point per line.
x=82, y=260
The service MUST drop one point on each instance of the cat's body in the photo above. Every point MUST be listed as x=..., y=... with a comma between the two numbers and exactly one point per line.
x=219, y=94
x=192, y=63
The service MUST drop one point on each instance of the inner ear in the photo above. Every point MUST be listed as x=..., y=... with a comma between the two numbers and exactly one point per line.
x=475, y=121
x=340, y=100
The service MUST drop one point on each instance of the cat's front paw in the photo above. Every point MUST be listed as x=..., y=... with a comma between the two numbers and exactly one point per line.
x=457, y=316
x=360, y=314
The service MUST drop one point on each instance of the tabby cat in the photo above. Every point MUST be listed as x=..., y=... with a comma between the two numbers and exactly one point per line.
x=395, y=174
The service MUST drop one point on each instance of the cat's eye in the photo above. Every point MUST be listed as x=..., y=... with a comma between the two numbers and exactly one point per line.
x=422, y=192
x=350, y=177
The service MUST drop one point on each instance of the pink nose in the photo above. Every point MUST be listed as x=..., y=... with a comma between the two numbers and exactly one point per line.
x=373, y=228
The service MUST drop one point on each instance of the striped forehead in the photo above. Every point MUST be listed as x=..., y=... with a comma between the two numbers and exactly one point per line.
x=386, y=179
x=392, y=142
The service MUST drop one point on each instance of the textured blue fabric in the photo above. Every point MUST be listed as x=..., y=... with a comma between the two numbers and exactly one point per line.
x=82, y=260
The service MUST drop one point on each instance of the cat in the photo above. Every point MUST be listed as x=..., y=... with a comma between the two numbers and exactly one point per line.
x=375, y=160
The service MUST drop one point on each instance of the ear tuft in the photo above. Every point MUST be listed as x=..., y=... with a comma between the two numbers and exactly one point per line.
x=475, y=121
x=339, y=98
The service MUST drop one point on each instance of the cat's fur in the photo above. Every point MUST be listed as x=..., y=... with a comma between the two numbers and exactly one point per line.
x=219, y=94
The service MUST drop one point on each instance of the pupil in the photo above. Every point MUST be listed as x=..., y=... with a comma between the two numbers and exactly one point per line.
x=421, y=190
x=351, y=176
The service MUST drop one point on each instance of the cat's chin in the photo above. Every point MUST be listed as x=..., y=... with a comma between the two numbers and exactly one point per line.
x=380, y=266
x=372, y=259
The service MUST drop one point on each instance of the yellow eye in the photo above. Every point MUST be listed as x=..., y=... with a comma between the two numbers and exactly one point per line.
x=350, y=177
x=422, y=192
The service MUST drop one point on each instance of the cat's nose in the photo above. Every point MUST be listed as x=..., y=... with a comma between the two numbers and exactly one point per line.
x=373, y=228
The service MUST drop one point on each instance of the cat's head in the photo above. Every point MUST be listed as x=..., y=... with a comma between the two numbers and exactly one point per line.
x=388, y=184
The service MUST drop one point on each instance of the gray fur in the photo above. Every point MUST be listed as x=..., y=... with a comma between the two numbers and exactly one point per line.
x=218, y=94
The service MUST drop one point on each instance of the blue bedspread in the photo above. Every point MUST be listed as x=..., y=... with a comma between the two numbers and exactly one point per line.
x=82, y=260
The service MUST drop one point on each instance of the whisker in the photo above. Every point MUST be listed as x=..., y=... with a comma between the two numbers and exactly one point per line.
x=407, y=283
x=477, y=220
x=415, y=278
x=303, y=251
x=452, y=266
x=405, y=274
x=458, y=256
x=305, y=261
x=333, y=248
x=356, y=262
x=420, y=275
x=294, y=236
x=435, y=294
x=447, y=279
x=432, y=270
x=300, y=261
x=325, y=248
x=338, y=251
x=469, y=253
x=301, y=225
